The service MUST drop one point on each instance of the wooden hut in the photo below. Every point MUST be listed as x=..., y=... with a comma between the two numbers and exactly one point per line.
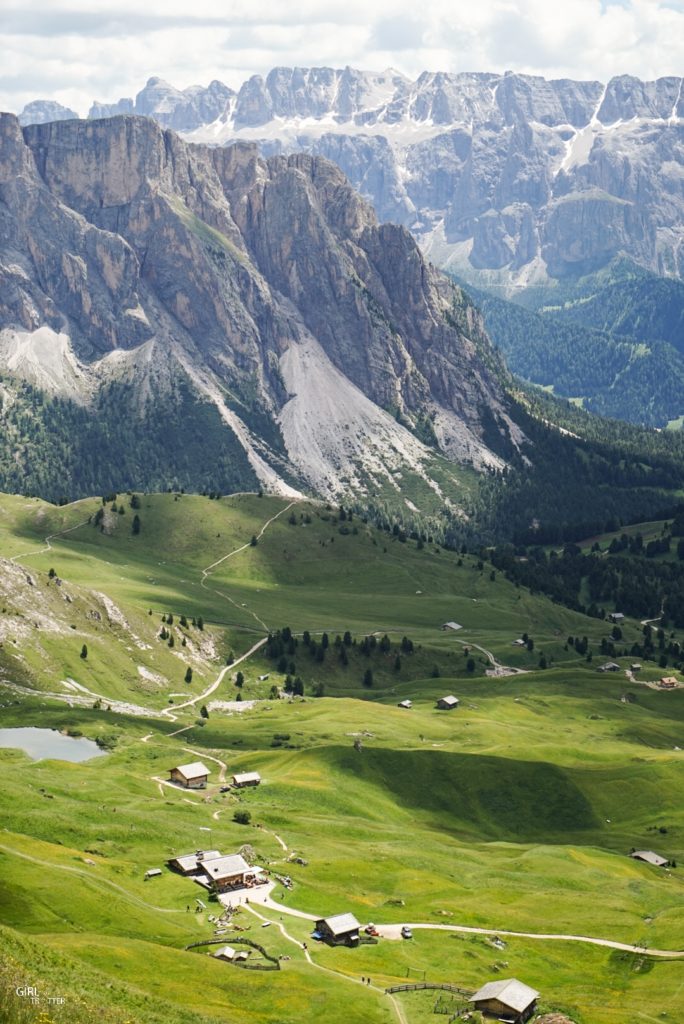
x=507, y=1000
x=225, y=873
x=192, y=776
x=246, y=779
x=340, y=930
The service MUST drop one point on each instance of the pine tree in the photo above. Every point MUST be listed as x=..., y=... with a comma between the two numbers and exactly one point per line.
x=188, y=675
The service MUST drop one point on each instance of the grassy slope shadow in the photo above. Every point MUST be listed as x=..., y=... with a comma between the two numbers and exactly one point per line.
x=489, y=796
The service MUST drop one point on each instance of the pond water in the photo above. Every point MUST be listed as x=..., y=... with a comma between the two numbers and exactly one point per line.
x=48, y=743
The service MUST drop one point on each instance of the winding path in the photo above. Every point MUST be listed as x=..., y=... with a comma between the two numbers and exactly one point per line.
x=393, y=931
x=236, y=551
x=47, y=546
x=499, y=669
x=328, y=970
x=171, y=712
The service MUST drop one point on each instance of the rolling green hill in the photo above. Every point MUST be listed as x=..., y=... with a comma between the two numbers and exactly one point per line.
x=515, y=812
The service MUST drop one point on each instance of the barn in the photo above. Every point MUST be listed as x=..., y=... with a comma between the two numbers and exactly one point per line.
x=191, y=776
x=508, y=1000
x=246, y=779
x=340, y=930
x=230, y=954
x=649, y=857
x=448, y=703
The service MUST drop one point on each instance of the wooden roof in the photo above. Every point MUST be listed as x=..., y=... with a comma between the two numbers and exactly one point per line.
x=510, y=992
x=192, y=771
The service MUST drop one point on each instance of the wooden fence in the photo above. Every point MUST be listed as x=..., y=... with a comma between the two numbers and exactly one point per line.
x=419, y=985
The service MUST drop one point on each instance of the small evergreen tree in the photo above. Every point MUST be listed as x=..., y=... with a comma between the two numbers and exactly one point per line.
x=188, y=675
x=84, y=652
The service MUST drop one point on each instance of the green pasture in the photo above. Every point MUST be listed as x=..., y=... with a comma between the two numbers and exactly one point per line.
x=517, y=811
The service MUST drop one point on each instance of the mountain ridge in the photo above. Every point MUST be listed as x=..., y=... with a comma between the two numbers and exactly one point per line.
x=133, y=260
x=505, y=179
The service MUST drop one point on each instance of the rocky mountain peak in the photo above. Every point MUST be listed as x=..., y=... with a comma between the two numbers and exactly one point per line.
x=266, y=288
x=43, y=111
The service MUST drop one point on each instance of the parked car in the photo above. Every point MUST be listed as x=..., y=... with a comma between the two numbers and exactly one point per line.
x=225, y=789
x=406, y=932
x=370, y=929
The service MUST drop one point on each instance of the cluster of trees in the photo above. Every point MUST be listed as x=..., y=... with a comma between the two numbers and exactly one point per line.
x=59, y=450
x=630, y=579
x=283, y=646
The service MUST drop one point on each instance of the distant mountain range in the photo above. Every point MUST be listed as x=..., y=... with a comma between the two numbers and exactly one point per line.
x=508, y=180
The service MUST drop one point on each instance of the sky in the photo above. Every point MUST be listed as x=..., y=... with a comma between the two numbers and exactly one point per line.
x=75, y=51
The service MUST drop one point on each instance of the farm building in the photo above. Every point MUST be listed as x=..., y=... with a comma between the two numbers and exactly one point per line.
x=246, y=779
x=616, y=617
x=153, y=873
x=406, y=704
x=667, y=683
x=448, y=703
x=340, y=930
x=649, y=857
x=508, y=1000
x=230, y=954
x=451, y=625
x=224, y=873
x=191, y=863
x=610, y=666
x=192, y=776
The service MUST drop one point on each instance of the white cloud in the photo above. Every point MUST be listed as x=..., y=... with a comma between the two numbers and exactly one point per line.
x=104, y=49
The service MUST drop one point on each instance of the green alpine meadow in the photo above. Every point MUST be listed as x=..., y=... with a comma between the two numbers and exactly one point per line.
x=261, y=634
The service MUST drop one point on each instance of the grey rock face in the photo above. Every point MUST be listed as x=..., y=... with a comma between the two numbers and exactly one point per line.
x=447, y=155
x=223, y=268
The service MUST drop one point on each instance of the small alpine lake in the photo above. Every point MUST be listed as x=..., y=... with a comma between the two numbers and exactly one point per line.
x=40, y=744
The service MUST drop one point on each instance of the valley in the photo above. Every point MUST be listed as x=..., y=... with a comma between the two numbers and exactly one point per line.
x=515, y=813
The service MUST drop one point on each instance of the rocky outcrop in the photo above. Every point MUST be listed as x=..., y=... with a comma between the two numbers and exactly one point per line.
x=150, y=259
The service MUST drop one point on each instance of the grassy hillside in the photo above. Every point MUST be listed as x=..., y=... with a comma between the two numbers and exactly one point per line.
x=515, y=812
